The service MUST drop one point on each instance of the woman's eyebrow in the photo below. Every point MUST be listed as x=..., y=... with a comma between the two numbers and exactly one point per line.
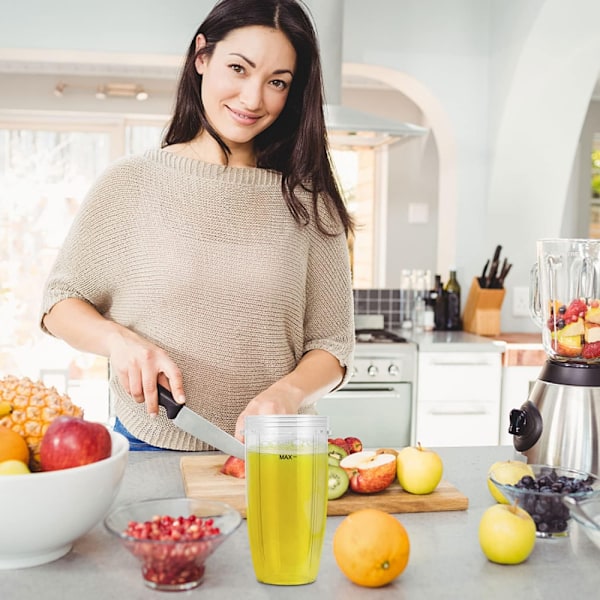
x=253, y=64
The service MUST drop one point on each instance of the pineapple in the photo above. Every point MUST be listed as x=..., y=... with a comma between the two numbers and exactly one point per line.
x=29, y=407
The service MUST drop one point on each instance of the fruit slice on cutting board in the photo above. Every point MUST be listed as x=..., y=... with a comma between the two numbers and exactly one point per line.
x=335, y=453
x=338, y=482
x=368, y=471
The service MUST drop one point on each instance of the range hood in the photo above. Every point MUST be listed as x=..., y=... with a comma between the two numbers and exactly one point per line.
x=347, y=126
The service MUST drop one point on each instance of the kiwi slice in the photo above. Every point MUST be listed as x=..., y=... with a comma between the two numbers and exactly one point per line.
x=335, y=454
x=338, y=482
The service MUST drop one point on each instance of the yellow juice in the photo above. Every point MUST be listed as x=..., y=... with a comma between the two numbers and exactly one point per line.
x=286, y=513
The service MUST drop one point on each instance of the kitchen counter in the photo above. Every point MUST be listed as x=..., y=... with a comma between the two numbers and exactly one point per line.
x=446, y=561
x=454, y=341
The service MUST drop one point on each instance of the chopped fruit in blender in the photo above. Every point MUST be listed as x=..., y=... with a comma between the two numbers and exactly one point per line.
x=568, y=346
x=591, y=350
x=575, y=310
x=592, y=333
x=593, y=314
x=571, y=329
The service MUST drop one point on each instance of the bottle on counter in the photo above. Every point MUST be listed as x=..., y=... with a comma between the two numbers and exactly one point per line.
x=439, y=304
x=452, y=301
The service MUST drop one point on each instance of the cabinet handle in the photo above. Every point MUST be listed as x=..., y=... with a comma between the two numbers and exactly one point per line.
x=449, y=363
x=474, y=411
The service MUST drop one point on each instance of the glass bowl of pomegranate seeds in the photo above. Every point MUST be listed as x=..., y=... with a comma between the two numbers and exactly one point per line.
x=541, y=495
x=173, y=537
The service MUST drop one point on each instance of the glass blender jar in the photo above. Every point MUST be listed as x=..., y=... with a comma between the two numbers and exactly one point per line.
x=559, y=424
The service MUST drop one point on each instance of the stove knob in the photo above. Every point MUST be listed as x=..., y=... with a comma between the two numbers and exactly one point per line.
x=393, y=370
x=372, y=371
x=354, y=372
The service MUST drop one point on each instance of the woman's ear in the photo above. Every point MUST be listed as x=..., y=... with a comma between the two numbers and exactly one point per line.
x=200, y=62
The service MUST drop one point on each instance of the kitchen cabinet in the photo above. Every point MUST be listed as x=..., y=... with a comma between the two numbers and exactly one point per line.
x=458, y=398
x=521, y=366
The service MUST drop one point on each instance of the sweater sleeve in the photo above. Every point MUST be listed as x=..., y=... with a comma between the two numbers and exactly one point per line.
x=329, y=318
x=85, y=265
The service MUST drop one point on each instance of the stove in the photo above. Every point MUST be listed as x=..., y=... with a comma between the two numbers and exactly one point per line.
x=378, y=402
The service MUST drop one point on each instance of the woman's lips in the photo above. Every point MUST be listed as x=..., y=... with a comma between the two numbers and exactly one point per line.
x=243, y=117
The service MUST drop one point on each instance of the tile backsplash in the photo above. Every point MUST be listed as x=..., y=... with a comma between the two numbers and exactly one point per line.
x=391, y=303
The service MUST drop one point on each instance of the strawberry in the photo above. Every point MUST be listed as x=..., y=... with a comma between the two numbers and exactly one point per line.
x=591, y=350
x=576, y=309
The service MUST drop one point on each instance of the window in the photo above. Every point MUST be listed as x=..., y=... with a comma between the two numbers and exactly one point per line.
x=46, y=168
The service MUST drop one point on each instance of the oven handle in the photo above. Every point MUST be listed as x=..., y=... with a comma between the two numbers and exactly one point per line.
x=391, y=389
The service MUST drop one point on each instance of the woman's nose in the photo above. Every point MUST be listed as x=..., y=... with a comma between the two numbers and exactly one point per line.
x=251, y=95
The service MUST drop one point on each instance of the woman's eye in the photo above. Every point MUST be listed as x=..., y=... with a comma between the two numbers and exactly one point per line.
x=279, y=84
x=237, y=68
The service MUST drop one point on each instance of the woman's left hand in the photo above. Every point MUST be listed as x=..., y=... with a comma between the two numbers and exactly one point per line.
x=276, y=400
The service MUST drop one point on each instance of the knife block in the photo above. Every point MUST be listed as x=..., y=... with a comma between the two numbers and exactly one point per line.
x=482, y=310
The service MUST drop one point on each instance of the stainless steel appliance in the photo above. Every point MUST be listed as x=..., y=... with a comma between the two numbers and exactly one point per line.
x=559, y=424
x=377, y=405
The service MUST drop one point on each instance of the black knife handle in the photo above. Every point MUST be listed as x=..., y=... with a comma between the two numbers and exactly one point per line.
x=165, y=398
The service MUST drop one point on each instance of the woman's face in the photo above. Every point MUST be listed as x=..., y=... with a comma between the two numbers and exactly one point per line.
x=246, y=81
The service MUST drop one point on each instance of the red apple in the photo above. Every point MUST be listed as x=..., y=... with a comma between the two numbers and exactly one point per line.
x=354, y=444
x=73, y=442
x=234, y=466
x=369, y=471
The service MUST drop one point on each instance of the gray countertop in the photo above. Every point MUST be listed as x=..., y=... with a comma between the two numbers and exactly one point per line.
x=453, y=341
x=446, y=561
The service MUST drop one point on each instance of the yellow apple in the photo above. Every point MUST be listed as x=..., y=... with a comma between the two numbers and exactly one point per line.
x=506, y=534
x=369, y=471
x=419, y=470
x=13, y=467
x=508, y=472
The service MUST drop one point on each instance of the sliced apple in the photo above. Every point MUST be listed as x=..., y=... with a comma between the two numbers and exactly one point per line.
x=593, y=315
x=571, y=330
x=592, y=332
x=369, y=472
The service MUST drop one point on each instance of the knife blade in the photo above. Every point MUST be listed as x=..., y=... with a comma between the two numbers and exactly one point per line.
x=198, y=426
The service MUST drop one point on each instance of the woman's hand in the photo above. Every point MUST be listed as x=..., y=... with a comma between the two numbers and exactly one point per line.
x=279, y=399
x=316, y=373
x=140, y=365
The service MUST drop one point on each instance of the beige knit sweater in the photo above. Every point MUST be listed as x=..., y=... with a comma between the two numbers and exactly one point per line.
x=207, y=262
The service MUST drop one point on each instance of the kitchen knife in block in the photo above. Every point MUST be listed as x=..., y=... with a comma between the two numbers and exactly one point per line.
x=198, y=426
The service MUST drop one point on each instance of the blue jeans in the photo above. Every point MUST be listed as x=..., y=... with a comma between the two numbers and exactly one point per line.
x=134, y=443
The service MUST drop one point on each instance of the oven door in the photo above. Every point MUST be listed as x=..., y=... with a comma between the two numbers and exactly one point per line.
x=378, y=414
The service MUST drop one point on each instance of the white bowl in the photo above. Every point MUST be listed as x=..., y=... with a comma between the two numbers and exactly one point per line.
x=44, y=513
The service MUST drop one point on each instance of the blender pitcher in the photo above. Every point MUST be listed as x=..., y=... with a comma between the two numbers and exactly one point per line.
x=286, y=495
x=565, y=298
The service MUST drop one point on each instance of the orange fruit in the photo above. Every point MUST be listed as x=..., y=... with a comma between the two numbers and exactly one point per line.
x=371, y=547
x=13, y=446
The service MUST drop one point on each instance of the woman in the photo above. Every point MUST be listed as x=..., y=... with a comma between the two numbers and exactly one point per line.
x=218, y=264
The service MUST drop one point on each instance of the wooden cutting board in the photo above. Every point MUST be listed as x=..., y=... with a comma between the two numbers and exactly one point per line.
x=202, y=479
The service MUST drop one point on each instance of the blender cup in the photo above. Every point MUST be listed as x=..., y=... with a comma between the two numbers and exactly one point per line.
x=565, y=298
x=286, y=495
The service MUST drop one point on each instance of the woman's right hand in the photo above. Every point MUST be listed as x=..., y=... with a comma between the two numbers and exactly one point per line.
x=140, y=365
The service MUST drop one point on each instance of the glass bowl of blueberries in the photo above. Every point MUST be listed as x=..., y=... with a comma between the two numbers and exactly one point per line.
x=541, y=495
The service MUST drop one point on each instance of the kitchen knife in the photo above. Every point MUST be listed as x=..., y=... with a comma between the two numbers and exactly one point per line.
x=198, y=426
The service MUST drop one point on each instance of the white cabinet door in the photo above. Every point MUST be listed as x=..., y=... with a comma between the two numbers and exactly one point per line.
x=458, y=398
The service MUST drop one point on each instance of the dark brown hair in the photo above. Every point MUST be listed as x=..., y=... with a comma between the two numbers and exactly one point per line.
x=296, y=143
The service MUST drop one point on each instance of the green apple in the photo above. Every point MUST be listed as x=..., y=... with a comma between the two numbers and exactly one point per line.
x=13, y=467
x=508, y=472
x=506, y=534
x=419, y=470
